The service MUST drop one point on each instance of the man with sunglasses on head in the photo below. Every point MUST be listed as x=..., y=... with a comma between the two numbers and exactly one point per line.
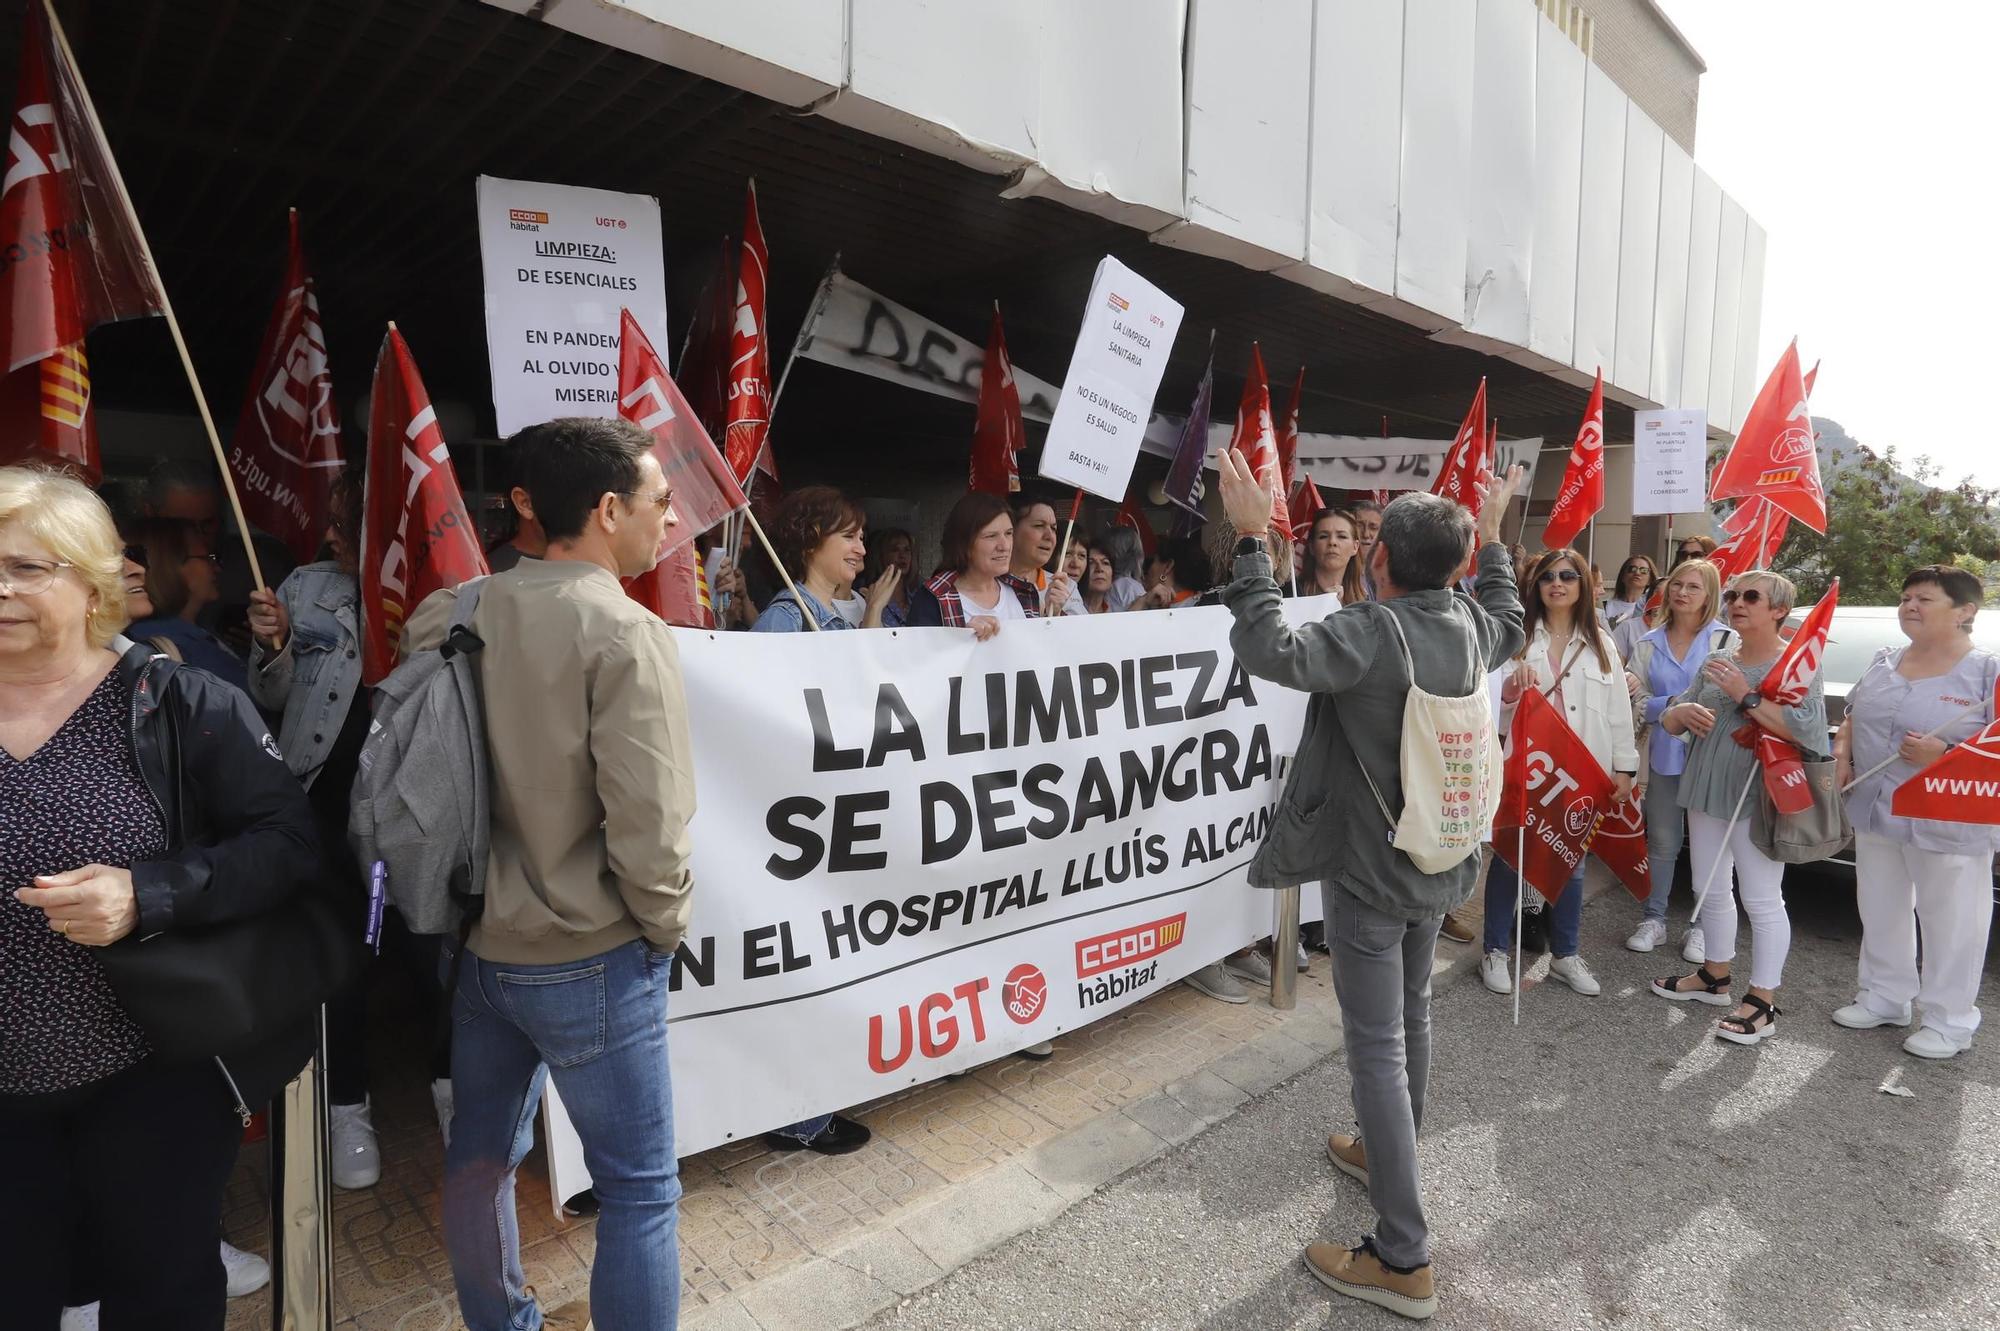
x=587, y=885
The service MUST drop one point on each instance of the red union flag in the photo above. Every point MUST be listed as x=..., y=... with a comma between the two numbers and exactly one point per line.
x=1256, y=440
x=415, y=535
x=286, y=449
x=1131, y=515
x=749, y=414
x=1582, y=492
x=1466, y=464
x=1773, y=456
x=1620, y=845
x=71, y=255
x=1961, y=787
x=1554, y=789
x=1306, y=504
x=1288, y=439
x=675, y=590
x=999, y=434
x=1787, y=684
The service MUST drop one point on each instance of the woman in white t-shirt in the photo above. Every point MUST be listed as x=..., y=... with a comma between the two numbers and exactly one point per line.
x=974, y=587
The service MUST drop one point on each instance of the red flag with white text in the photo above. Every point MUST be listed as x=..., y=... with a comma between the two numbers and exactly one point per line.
x=71, y=255
x=1466, y=465
x=1620, y=845
x=1305, y=504
x=286, y=449
x=1774, y=457
x=1963, y=786
x=415, y=535
x=1552, y=787
x=1257, y=440
x=998, y=435
x=746, y=440
x=1582, y=492
x=1787, y=684
x=1288, y=440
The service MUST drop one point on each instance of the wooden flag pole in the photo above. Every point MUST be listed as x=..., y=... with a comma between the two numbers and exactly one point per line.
x=805, y=612
x=166, y=305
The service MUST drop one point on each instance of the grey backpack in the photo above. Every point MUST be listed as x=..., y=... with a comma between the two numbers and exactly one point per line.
x=421, y=805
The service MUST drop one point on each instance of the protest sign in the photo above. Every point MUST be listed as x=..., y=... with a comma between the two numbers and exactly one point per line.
x=559, y=263
x=1128, y=331
x=1669, y=461
x=916, y=853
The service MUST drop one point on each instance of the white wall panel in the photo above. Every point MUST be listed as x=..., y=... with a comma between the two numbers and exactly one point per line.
x=1670, y=280
x=1600, y=205
x=1705, y=226
x=1728, y=303
x=1249, y=92
x=1113, y=136
x=966, y=76
x=1559, y=77
x=1357, y=146
x=1501, y=210
x=1437, y=143
x=1750, y=326
x=1638, y=253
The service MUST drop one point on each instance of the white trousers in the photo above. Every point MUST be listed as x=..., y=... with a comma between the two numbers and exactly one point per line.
x=1761, y=882
x=1899, y=887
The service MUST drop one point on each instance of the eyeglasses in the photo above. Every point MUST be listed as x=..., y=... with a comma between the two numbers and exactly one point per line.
x=663, y=501
x=30, y=577
x=1559, y=575
x=1749, y=596
x=137, y=554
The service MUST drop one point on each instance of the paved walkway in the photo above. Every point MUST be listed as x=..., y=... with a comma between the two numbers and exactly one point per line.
x=1607, y=1163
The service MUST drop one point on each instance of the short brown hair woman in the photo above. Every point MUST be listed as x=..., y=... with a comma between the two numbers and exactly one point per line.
x=974, y=587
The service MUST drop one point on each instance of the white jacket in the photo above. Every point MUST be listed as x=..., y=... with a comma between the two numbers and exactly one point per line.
x=1595, y=702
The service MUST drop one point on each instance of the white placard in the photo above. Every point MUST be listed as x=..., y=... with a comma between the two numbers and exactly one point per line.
x=559, y=262
x=1669, y=461
x=1107, y=398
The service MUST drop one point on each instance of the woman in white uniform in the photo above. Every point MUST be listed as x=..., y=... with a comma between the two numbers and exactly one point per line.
x=1918, y=871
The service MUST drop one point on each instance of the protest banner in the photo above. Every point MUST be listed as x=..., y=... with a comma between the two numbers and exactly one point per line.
x=916, y=853
x=1121, y=351
x=1669, y=461
x=560, y=261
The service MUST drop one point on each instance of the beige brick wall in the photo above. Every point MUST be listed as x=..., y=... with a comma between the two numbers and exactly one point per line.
x=1635, y=45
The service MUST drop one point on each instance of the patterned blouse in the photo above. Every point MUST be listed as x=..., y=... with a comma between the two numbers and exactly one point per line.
x=77, y=800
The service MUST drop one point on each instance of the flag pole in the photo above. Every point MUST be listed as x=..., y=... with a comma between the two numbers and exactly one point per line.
x=811, y=620
x=1520, y=890
x=820, y=298
x=1722, y=850
x=1932, y=733
x=1763, y=534
x=1062, y=551
x=166, y=304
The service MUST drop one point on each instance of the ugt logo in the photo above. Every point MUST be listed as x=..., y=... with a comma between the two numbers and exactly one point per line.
x=34, y=146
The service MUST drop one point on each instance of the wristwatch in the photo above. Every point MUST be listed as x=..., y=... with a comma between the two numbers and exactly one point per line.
x=1751, y=701
x=1250, y=545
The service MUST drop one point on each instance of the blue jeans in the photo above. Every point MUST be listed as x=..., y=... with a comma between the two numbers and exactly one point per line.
x=1565, y=923
x=1666, y=828
x=600, y=1027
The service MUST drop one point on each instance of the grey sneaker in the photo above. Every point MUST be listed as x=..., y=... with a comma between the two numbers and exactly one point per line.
x=1252, y=968
x=1217, y=983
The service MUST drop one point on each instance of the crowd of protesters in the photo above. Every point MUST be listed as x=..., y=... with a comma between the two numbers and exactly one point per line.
x=140, y=672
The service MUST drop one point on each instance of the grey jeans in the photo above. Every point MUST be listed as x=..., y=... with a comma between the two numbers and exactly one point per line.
x=1666, y=826
x=1382, y=977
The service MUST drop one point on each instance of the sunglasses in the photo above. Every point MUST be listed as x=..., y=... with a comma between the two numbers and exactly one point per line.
x=1559, y=575
x=1749, y=596
x=137, y=554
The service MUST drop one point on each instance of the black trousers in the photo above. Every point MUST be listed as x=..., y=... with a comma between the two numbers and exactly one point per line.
x=417, y=956
x=118, y=1190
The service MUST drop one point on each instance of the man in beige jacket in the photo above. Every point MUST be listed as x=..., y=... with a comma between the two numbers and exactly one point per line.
x=587, y=887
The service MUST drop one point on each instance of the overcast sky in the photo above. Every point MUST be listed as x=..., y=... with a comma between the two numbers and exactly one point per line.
x=1864, y=137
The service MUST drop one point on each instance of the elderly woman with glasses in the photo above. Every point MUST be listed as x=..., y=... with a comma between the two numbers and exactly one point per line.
x=1726, y=698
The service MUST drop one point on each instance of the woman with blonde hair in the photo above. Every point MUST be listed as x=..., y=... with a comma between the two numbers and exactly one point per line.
x=1724, y=698
x=1666, y=661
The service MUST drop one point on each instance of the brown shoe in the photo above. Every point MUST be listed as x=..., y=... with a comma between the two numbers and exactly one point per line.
x=1359, y=1274
x=1349, y=1156
x=1459, y=926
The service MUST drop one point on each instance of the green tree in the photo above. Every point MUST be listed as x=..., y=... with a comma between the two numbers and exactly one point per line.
x=1881, y=523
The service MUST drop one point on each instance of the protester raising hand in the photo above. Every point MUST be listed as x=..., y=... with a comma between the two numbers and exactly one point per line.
x=1246, y=500
x=879, y=593
x=1494, y=497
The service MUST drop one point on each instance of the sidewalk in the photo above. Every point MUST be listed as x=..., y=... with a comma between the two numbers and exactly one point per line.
x=777, y=1241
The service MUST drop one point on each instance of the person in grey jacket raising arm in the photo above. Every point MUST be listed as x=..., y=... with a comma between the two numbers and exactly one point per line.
x=1361, y=667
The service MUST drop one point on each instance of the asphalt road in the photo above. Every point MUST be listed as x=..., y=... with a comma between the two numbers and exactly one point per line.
x=1608, y=1163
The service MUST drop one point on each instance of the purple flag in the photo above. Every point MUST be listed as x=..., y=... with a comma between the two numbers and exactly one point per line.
x=1184, y=487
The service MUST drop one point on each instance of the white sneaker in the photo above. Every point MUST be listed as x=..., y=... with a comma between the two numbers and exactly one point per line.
x=1572, y=972
x=1494, y=973
x=441, y=1102
x=357, y=1161
x=80, y=1319
x=1694, y=950
x=1928, y=1043
x=1649, y=935
x=244, y=1272
x=1858, y=1017
x=1304, y=962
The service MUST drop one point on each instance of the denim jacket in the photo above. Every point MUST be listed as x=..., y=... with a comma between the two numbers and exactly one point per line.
x=314, y=678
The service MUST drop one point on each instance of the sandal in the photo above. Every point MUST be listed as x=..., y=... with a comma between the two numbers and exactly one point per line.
x=1710, y=989
x=1746, y=1030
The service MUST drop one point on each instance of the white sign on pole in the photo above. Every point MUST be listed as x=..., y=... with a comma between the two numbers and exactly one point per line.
x=1128, y=331
x=559, y=261
x=1669, y=461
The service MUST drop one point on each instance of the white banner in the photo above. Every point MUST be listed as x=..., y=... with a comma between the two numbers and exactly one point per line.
x=1669, y=461
x=559, y=262
x=1362, y=462
x=914, y=853
x=1129, y=326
